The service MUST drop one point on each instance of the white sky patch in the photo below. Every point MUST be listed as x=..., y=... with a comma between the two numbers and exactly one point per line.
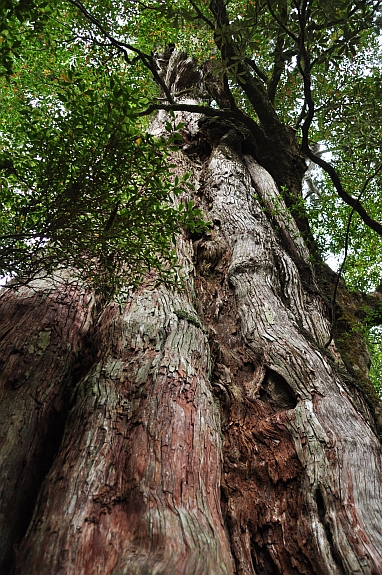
x=334, y=262
x=4, y=280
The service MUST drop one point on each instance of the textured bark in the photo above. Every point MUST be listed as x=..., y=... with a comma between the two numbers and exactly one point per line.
x=41, y=331
x=302, y=465
x=137, y=485
x=205, y=432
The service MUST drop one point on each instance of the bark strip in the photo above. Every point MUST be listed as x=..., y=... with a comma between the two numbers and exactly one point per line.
x=136, y=483
x=41, y=335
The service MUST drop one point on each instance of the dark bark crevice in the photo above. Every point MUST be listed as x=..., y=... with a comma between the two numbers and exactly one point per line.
x=276, y=392
x=262, y=560
x=322, y=514
x=41, y=351
x=35, y=467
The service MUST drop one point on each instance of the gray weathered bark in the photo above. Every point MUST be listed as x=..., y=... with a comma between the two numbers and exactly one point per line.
x=203, y=432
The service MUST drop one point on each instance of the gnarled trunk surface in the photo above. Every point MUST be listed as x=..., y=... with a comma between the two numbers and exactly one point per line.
x=202, y=432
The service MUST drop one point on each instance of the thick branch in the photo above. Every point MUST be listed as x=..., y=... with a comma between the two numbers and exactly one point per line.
x=258, y=71
x=278, y=67
x=201, y=16
x=304, y=66
x=279, y=62
x=207, y=111
x=251, y=85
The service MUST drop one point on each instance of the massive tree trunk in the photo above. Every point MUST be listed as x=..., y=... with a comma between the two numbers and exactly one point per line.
x=203, y=431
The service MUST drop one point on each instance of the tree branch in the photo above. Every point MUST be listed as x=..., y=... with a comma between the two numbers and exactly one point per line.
x=305, y=71
x=201, y=16
x=206, y=111
x=255, y=67
x=278, y=66
x=227, y=91
x=252, y=86
x=281, y=24
x=123, y=48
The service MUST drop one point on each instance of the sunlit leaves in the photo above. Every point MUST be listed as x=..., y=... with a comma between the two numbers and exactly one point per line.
x=60, y=67
x=82, y=184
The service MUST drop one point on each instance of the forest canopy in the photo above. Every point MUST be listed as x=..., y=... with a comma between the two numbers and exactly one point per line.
x=82, y=181
x=84, y=184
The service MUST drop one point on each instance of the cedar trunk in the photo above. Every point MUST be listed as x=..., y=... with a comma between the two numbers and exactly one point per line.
x=206, y=431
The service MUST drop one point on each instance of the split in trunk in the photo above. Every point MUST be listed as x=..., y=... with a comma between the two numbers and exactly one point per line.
x=200, y=432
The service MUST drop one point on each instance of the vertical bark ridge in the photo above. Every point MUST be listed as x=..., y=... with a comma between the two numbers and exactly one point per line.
x=137, y=483
x=41, y=335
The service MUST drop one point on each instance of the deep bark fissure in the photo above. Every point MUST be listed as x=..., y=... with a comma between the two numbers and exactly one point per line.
x=49, y=443
x=321, y=510
x=262, y=560
x=277, y=393
x=39, y=413
x=210, y=432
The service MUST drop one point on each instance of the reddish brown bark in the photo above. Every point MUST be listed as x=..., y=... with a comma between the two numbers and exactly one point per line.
x=138, y=470
x=200, y=432
x=41, y=335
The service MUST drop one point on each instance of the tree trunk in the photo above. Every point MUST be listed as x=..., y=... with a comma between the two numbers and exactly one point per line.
x=205, y=431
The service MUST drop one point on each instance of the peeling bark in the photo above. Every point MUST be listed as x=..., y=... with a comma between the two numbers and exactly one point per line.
x=204, y=432
x=41, y=334
x=140, y=479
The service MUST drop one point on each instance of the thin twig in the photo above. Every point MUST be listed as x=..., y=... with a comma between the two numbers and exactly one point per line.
x=146, y=59
x=201, y=15
x=347, y=236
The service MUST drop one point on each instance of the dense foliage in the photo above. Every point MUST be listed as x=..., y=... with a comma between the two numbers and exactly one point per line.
x=84, y=185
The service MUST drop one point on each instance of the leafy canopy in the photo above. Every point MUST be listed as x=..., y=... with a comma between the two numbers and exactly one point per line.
x=83, y=183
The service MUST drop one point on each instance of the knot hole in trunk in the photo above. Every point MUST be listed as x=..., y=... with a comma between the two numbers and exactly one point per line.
x=276, y=392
